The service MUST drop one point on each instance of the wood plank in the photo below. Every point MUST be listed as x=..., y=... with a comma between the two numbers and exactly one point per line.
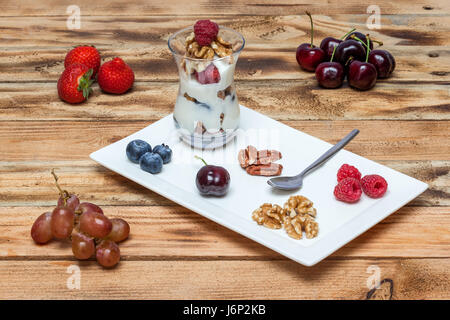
x=174, y=232
x=280, y=99
x=29, y=183
x=331, y=279
x=273, y=31
x=75, y=140
x=199, y=8
x=154, y=63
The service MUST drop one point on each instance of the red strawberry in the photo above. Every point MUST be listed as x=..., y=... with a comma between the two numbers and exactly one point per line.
x=86, y=55
x=115, y=76
x=74, y=85
x=209, y=75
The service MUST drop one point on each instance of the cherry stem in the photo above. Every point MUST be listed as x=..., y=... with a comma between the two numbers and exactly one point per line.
x=348, y=60
x=368, y=48
x=197, y=157
x=312, y=27
x=380, y=43
x=362, y=42
x=345, y=35
x=332, y=55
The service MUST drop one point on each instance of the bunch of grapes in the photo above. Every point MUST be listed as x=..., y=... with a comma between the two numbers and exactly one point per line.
x=85, y=225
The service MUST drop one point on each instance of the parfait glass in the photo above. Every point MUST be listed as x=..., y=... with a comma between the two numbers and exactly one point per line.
x=206, y=113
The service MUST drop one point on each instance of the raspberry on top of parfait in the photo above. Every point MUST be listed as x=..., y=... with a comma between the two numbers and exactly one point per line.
x=205, y=32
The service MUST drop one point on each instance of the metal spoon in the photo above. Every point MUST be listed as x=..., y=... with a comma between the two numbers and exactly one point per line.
x=296, y=182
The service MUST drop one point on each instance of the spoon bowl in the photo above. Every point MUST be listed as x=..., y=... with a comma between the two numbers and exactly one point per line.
x=296, y=182
x=286, y=183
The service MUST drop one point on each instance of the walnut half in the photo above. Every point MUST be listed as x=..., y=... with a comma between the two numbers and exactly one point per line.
x=269, y=216
x=297, y=216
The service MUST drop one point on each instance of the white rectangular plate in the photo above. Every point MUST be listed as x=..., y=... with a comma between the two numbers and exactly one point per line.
x=339, y=223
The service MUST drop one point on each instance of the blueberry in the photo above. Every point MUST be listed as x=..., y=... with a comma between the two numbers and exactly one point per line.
x=151, y=162
x=136, y=148
x=164, y=151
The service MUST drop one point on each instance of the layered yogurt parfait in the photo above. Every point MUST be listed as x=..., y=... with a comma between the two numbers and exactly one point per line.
x=207, y=109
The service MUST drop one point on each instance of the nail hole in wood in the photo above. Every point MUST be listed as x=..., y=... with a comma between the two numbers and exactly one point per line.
x=433, y=54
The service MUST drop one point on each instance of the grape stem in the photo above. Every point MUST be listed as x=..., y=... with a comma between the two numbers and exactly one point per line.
x=63, y=193
x=197, y=157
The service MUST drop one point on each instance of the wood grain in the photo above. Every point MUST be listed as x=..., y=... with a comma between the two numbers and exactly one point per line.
x=268, y=32
x=176, y=253
x=29, y=183
x=160, y=232
x=207, y=8
x=282, y=100
x=75, y=140
x=154, y=63
x=180, y=279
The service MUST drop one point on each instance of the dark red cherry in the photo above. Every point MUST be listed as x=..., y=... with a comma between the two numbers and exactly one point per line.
x=383, y=61
x=350, y=48
x=212, y=180
x=362, y=75
x=360, y=36
x=327, y=45
x=308, y=55
x=330, y=74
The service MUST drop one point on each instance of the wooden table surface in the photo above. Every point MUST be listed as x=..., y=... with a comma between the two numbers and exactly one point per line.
x=176, y=253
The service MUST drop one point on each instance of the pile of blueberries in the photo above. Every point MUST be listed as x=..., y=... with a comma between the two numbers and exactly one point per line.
x=150, y=160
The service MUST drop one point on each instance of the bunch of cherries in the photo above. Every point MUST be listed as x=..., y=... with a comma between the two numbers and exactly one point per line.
x=89, y=230
x=352, y=55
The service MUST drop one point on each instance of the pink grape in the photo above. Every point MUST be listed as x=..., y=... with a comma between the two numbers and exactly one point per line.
x=120, y=230
x=72, y=202
x=95, y=224
x=62, y=222
x=108, y=253
x=88, y=207
x=83, y=247
x=41, y=231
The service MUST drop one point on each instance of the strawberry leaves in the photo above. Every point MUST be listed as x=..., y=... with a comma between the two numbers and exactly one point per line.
x=85, y=83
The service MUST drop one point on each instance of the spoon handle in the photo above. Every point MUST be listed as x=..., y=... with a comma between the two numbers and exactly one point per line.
x=327, y=155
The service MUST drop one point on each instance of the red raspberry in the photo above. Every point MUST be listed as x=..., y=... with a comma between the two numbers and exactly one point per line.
x=348, y=190
x=348, y=171
x=205, y=32
x=209, y=75
x=374, y=186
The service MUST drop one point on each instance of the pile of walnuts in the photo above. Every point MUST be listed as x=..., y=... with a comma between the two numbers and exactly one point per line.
x=297, y=216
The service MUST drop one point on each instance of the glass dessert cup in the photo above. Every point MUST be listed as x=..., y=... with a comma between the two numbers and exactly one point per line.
x=206, y=113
